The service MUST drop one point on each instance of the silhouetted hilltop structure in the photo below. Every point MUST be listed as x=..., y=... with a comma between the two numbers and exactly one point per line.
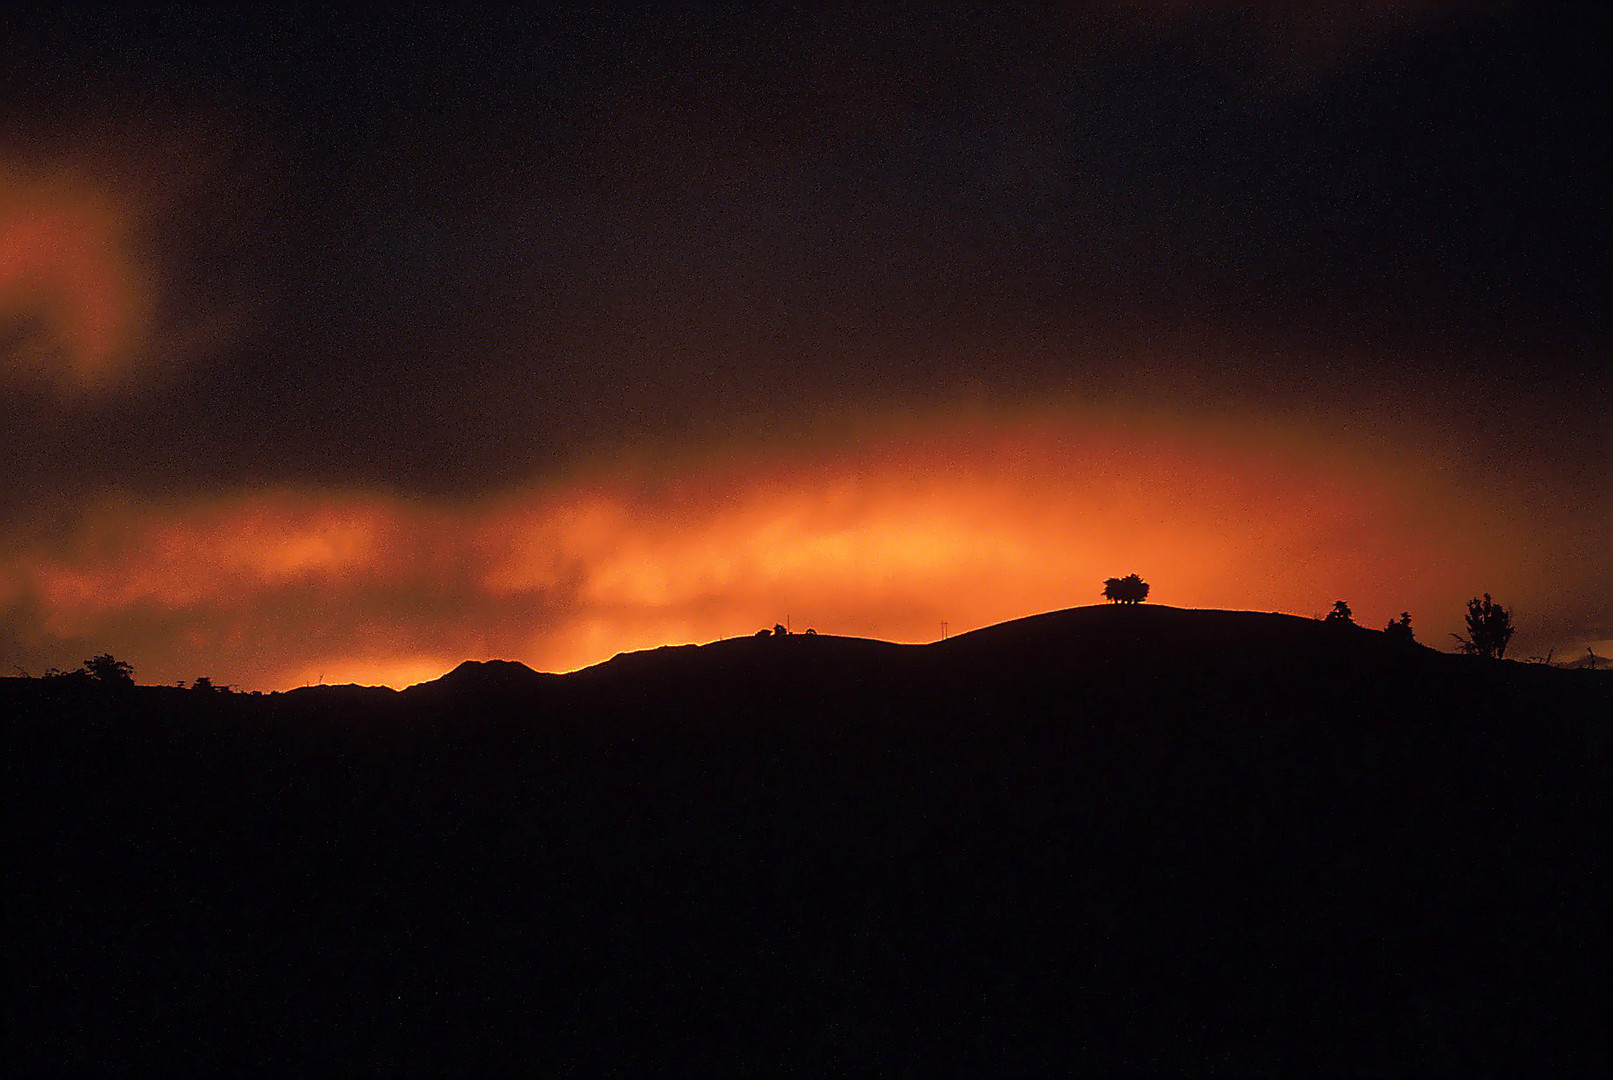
x=1126, y=838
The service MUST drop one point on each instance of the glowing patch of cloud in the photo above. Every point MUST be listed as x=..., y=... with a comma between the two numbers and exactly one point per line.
x=69, y=263
x=236, y=548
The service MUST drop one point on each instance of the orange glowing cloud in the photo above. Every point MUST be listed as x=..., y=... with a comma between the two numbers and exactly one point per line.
x=987, y=521
x=67, y=259
x=237, y=548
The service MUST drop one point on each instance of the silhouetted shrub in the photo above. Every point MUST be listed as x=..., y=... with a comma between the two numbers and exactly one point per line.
x=109, y=671
x=204, y=684
x=1489, y=628
x=779, y=630
x=1130, y=589
x=1340, y=613
x=58, y=677
x=1400, y=629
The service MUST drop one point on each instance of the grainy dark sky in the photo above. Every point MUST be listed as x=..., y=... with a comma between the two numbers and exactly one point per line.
x=445, y=260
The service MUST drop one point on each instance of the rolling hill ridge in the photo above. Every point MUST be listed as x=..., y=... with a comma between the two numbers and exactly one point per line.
x=1135, y=838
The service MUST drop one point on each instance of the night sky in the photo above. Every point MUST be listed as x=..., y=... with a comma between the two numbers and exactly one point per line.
x=347, y=349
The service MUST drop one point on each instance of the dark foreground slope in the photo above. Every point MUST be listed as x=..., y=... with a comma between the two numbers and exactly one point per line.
x=1125, y=839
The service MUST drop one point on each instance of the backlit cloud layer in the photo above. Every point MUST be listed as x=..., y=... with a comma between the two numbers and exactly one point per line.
x=971, y=524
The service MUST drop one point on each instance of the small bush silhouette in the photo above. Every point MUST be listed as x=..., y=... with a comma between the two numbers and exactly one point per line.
x=204, y=684
x=109, y=671
x=1489, y=628
x=1400, y=629
x=1340, y=613
x=1130, y=589
x=57, y=677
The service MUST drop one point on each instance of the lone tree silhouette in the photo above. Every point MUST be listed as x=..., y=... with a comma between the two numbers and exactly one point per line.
x=1340, y=613
x=1489, y=628
x=1399, y=630
x=1130, y=589
x=109, y=671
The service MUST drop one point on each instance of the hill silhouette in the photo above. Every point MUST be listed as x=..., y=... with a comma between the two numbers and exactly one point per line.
x=1127, y=838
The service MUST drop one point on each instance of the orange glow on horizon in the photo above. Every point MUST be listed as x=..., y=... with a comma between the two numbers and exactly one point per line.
x=883, y=538
x=398, y=673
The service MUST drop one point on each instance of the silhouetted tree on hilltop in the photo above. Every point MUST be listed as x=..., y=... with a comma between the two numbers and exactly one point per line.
x=1130, y=589
x=109, y=671
x=1489, y=628
x=1400, y=629
x=1340, y=613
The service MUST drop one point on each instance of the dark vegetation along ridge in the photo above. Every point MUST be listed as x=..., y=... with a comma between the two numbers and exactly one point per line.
x=1126, y=838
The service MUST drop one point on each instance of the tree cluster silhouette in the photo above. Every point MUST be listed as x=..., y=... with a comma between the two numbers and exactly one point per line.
x=103, y=669
x=1130, y=589
x=1489, y=627
x=1400, y=629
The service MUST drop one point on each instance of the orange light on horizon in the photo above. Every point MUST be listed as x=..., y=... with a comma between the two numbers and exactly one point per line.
x=886, y=537
x=398, y=673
